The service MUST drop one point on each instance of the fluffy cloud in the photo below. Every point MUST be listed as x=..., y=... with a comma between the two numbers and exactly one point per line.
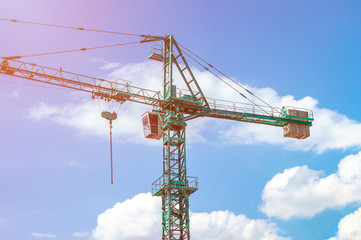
x=43, y=235
x=330, y=130
x=349, y=228
x=303, y=192
x=228, y=226
x=85, y=117
x=137, y=218
x=140, y=218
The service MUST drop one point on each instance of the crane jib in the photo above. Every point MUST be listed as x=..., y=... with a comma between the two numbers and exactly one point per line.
x=104, y=89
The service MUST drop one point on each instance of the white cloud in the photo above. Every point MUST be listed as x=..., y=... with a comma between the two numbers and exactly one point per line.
x=81, y=234
x=86, y=118
x=303, y=192
x=140, y=218
x=6, y=164
x=10, y=94
x=330, y=130
x=15, y=94
x=110, y=66
x=227, y=226
x=43, y=235
x=107, y=65
x=43, y=111
x=349, y=228
x=136, y=218
x=77, y=164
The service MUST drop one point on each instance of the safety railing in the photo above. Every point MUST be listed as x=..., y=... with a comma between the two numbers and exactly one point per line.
x=191, y=184
x=247, y=108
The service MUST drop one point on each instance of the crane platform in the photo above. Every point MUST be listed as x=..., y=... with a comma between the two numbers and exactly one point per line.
x=161, y=184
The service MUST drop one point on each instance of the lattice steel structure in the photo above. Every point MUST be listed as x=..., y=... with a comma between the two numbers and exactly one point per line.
x=175, y=190
x=174, y=109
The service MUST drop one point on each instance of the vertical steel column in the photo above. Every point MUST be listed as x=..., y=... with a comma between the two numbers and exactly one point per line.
x=175, y=194
x=167, y=67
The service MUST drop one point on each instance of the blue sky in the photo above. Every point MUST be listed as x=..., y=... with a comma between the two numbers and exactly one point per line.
x=54, y=158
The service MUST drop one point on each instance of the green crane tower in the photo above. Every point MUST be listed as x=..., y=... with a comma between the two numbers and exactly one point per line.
x=168, y=120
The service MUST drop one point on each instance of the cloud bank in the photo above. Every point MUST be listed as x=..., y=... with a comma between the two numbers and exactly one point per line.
x=303, y=192
x=330, y=130
x=139, y=218
x=349, y=228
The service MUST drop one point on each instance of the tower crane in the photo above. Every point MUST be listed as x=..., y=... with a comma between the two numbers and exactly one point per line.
x=168, y=119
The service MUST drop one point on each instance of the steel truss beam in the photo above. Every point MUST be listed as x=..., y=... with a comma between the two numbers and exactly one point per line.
x=123, y=91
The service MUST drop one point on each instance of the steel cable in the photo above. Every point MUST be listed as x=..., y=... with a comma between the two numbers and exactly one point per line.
x=184, y=48
x=74, y=28
x=228, y=84
x=68, y=51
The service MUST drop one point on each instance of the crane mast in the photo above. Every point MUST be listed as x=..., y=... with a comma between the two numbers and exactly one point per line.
x=174, y=187
x=171, y=111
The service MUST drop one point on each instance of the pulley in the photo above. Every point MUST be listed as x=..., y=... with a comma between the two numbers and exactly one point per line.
x=109, y=116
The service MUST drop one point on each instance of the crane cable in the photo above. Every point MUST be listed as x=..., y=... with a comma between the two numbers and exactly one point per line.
x=74, y=28
x=228, y=84
x=68, y=51
x=111, y=151
x=184, y=48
